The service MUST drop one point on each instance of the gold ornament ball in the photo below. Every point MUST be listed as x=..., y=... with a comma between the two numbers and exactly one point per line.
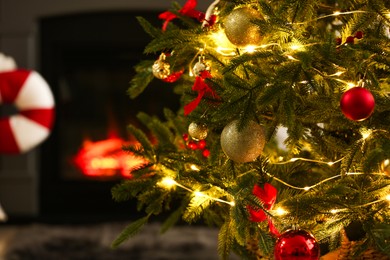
x=244, y=145
x=239, y=28
x=385, y=167
x=161, y=69
x=197, y=131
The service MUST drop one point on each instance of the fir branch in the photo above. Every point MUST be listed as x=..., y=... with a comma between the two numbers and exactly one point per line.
x=247, y=57
x=173, y=218
x=149, y=28
x=236, y=82
x=270, y=94
x=349, y=156
x=266, y=242
x=378, y=7
x=176, y=122
x=373, y=159
x=130, y=231
x=233, y=109
x=142, y=170
x=239, y=225
x=130, y=188
x=331, y=227
x=160, y=131
x=334, y=241
x=144, y=141
x=380, y=233
x=357, y=22
x=200, y=203
x=153, y=200
x=225, y=240
x=142, y=79
x=174, y=40
x=134, y=149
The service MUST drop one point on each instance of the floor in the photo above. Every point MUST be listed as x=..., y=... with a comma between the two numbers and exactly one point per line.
x=183, y=242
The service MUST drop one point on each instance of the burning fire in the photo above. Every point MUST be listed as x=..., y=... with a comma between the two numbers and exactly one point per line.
x=106, y=158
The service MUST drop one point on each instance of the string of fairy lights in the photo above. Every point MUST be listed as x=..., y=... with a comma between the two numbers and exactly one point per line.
x=169, y=182
x=226, y=49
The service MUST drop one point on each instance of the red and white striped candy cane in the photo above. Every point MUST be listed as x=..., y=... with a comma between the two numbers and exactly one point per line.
x=31, y=95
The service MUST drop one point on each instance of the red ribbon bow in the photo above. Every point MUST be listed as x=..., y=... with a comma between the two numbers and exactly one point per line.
x=268, y=197
x=202, y=88
x=188, y=10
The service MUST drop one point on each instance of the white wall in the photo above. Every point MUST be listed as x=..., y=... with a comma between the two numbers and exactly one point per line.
x=18, y=39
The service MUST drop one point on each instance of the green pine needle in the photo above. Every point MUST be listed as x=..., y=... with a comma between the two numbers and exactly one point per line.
x=130, y=231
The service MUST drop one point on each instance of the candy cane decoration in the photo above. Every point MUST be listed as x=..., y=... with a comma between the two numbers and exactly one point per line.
x=31, y=95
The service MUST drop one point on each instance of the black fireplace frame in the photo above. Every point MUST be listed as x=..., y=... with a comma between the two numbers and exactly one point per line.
x=80, y=200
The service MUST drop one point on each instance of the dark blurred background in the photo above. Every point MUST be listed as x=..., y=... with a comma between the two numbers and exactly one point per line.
x=86, y=50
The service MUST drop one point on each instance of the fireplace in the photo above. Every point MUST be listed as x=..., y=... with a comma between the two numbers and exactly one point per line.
x=87, y=59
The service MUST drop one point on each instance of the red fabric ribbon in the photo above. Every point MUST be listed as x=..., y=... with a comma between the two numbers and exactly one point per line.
x=268, y=197
x=202, y=88
x=188, y=10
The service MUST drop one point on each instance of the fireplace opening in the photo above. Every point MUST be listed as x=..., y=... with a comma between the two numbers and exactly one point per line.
x=88, y=61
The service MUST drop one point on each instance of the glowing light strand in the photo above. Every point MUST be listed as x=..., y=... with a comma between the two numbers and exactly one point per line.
x=333, y=14
x=309, y=160
x=168, y=182
x=318, y=183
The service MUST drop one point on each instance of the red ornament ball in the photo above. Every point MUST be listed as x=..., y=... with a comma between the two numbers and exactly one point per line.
x=359, y=35
x=206, y=153
x=297, y=245
x=350, y=39
x=192, y=145
x=202, y=144
x=357, y=103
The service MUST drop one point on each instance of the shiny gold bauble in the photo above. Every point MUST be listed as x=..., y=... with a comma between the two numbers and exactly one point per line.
x=161, y=69
x=239, y=28
x=244, y=145
x=385, y=167
x=198, y=131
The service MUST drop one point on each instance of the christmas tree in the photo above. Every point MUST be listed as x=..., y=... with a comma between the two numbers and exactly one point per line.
x=246, y=72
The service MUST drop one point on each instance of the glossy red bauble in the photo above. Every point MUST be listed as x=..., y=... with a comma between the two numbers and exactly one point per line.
x=296, y=245
x=206, y=153
x=192, y=145
x=357, y=103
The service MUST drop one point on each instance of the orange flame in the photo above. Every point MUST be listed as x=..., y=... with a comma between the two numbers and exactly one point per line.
x=106, y=158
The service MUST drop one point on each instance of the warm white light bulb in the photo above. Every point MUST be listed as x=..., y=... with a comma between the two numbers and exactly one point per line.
x=198, y=194
x=365, y=133
x=338, y=73
x=351, y=85
x=194, y=167
x=296, y=47
x=280, y=211
x=250, y=49
x=167, y=183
